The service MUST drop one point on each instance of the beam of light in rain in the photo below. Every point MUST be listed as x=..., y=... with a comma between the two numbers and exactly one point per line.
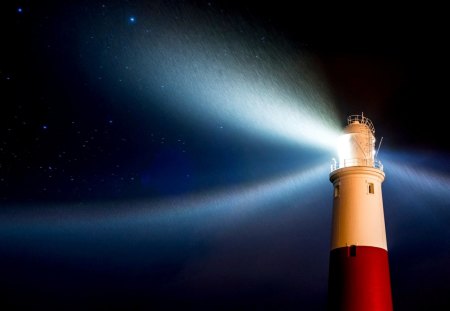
x=221, y=71
x=417, y=196
x=217, y=208
x=419, y=183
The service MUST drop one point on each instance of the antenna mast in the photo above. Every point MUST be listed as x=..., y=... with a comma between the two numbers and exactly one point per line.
x=379, y=145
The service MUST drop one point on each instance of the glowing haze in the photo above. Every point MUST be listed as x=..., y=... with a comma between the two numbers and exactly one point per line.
x=216, y=70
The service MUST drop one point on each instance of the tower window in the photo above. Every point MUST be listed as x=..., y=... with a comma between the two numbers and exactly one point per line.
x=371, y=188
x=353, y=251
x=336, y=191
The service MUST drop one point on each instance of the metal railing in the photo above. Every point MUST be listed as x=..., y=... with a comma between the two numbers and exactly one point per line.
x=357, y=162
x=361, y=119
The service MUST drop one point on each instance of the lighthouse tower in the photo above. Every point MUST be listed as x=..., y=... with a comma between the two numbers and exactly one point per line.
x=359, y=277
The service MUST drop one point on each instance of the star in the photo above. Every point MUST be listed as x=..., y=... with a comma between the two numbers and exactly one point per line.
x=132, y=19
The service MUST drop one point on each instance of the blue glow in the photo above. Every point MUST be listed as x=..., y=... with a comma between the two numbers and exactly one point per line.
x=209, y=72
x=222, y=206
x=423, y=183
x=132, y=19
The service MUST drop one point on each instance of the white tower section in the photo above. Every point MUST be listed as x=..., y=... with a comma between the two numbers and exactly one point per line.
x=358, y=217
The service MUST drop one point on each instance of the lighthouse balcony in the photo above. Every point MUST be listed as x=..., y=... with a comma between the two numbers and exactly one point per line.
x=356, y=162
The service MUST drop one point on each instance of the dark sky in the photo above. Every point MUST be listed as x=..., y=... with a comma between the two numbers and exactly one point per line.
x=149, y=154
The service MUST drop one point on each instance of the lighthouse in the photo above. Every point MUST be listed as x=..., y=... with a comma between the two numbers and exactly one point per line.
x=359, y=278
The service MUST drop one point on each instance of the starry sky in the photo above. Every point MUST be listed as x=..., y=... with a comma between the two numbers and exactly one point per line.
x=175, y=154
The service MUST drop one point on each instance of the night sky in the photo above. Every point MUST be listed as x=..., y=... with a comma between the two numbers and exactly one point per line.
x=160, y=155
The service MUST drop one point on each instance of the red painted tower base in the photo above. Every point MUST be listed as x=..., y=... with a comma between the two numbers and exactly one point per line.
x=359, y=279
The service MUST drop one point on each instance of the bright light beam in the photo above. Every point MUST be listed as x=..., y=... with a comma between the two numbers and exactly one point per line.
x=220, y=71
x=419, y=182
x=218, y=207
